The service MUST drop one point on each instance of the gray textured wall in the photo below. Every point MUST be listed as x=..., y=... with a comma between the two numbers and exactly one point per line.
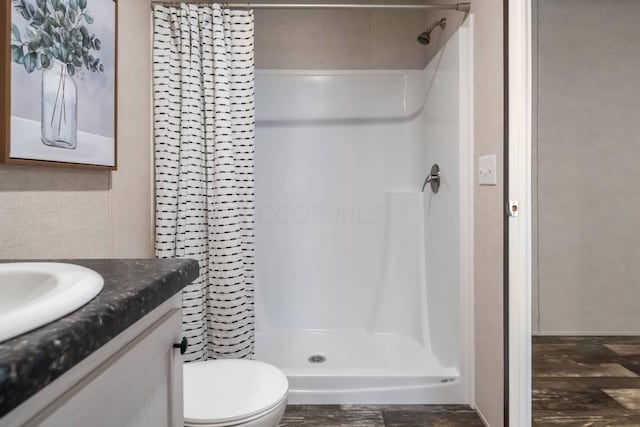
x=489, y=139
x=588, y=168
x=348, y=39
x=52, y=212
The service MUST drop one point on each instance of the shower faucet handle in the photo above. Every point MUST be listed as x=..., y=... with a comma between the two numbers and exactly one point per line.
x=433, y=178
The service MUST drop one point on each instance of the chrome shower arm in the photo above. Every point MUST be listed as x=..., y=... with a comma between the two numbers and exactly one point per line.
x=441, y=23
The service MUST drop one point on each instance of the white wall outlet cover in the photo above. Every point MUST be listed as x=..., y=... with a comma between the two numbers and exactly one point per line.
x=487, y=170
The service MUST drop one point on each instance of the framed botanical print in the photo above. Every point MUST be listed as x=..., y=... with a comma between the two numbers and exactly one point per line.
x=58, y=83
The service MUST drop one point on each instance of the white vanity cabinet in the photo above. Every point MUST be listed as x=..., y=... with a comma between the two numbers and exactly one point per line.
x=135, y=380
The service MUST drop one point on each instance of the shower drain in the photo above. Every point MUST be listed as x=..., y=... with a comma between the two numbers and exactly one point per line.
x=317, y=358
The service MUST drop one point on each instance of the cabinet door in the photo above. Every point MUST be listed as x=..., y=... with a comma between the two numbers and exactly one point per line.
x=140, y=386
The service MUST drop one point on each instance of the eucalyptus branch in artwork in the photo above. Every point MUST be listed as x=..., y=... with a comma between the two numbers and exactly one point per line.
x=57, y=29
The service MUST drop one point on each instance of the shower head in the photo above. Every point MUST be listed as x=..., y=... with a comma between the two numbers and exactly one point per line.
x=425, y=37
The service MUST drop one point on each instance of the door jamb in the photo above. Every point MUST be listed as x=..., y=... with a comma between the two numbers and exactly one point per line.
x=518, y=166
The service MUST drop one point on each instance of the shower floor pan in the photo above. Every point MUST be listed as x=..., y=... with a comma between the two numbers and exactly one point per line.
x=357, y=367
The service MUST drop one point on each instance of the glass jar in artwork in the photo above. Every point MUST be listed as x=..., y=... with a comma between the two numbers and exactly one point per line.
x=59, y=107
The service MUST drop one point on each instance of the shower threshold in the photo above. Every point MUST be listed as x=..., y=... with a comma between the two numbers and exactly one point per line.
x=357, y=367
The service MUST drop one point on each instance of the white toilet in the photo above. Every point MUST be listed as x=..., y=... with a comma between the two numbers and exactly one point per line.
x=224, y=393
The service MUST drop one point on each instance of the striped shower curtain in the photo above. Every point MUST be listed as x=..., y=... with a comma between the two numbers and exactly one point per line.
x=204, y=128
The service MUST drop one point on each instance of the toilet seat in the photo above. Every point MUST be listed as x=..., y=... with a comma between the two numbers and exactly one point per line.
x=229, y=392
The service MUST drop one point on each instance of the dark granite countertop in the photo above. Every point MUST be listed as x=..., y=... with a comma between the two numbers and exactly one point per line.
x=132, y=289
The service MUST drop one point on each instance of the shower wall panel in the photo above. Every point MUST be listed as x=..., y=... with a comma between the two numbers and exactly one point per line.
x=331, y=145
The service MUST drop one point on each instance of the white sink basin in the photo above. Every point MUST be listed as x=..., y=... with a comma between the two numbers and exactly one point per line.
x=33, y=294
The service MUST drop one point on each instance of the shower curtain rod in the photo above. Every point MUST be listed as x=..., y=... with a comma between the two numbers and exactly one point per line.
x=460, y=7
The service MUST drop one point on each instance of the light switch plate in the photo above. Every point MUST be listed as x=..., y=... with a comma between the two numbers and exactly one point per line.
x=487, y=170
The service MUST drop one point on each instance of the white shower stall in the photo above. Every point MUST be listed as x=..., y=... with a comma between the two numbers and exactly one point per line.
x=363, y=281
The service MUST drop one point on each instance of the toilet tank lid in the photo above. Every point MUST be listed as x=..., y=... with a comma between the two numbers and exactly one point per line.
x=218, y=391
